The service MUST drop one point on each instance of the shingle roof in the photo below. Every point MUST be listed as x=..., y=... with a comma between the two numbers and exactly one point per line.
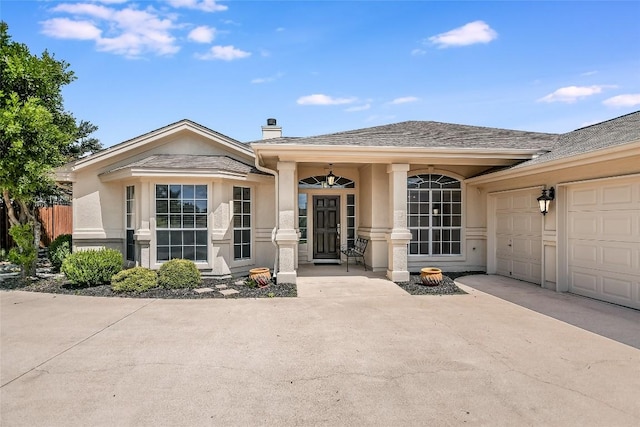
x=618, y=131
x=430, y=135
x=188, y=161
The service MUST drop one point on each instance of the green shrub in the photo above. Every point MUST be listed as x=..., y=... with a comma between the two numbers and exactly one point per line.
x=92, y=267
x=179, y=273
x=136, y=279
x=25, y=253
x=59, y=249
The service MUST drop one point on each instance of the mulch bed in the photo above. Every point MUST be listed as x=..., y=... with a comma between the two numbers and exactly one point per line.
x=57, y=284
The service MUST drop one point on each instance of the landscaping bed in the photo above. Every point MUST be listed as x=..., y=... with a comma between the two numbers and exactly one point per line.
x=447, y=287
x=240, y=287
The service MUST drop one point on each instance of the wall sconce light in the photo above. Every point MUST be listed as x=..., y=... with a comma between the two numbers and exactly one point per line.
x=331, y=178
x=544, y=201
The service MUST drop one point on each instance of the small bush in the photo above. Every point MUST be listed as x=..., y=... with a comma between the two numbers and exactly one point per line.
x=137, y=279
x=25, y=253
x=59, y=249
x=179, y=273
x=92, y=267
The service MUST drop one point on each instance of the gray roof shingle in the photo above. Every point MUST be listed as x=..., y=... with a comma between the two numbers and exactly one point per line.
x=189, y=161
x=617, y=131
x=428, y=134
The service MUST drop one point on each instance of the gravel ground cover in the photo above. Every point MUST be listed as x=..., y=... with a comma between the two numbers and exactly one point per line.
x=56, y=283
x=447, y=287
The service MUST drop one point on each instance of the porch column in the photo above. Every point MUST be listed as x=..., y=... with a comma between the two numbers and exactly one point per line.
x=400, y=236
x=142, y=235
x=220, y=236
x=286, y=237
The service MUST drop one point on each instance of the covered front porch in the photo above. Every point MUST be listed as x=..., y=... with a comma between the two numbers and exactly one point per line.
x=331, y=189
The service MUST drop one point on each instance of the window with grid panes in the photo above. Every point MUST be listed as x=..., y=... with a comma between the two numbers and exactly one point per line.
x=302, y=217
x=130, y=221
x=351, y=220
x=241, y=223
x=434, y=215
x=181, y=222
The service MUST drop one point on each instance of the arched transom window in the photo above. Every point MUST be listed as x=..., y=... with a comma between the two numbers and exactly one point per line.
x=434, y=206
x=320, y=182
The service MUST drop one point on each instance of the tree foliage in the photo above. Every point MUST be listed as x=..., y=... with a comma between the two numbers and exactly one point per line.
x=36, y=133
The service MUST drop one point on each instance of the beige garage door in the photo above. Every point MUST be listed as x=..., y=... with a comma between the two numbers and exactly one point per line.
x=518, y=235
x=604, y=240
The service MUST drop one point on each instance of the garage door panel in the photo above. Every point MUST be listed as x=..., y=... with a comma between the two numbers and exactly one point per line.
x=519, y=235
x=583, y=225
x=617, y=194
x=605, y=256
x=604, y=240
x=503, y=224
x=583, y=198
x=524, y=247
x=619, y=256
x=584, y=253
x=617, y=287
x=584, y=280
x=522, y=201
x=526, y=270
x=615, y=226
x=503, y=266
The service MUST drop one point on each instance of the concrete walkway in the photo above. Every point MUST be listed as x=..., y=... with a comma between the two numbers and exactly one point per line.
x=379, y=359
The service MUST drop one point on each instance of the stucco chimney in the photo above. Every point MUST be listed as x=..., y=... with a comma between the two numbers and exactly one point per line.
x=271, y=130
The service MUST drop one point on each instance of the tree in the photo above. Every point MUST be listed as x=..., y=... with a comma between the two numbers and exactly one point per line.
x=36, y=133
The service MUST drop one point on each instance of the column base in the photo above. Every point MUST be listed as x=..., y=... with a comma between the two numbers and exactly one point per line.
x=398, y=276
x=288, y=277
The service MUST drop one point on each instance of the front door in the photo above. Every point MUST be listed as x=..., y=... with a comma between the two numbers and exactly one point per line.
x=326, y=217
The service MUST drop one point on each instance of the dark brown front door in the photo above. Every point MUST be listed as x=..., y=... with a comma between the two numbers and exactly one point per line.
x=326, y=215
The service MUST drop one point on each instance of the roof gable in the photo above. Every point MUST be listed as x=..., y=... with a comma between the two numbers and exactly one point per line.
x=149, y=139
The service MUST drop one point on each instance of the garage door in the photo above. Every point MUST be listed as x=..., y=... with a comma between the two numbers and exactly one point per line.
x=604, y=240
x=518, y=235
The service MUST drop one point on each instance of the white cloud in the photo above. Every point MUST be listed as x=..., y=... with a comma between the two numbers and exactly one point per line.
x=626, y=100
x=203, y=5
x=126, y=31
x=320, y=99
x=468, y=34
x=63, y=28
x=571, y=94
x=358, y=108
x=404, y=100
x=418, y=52
x=589, y=73
x=202, y=34
x=279, y=29
x=93, y=10
x=224, y=53
x=267, y=79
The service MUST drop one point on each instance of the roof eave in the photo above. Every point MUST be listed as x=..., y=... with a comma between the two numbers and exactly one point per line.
x=604, y=154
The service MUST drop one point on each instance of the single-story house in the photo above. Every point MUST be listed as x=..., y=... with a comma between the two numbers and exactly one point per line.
x=424, y=194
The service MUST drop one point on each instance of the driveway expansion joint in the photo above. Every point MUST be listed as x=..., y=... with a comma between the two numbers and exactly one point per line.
x=36, y=368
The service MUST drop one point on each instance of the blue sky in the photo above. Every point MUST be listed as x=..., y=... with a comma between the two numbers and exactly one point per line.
x=328, y=66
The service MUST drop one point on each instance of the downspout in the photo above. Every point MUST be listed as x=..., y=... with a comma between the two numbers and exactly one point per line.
x=275, y=228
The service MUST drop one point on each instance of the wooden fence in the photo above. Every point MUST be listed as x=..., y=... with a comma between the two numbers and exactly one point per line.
x=56, y=219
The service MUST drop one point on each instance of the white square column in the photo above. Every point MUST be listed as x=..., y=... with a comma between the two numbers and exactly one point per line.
x=287, y=237
x=400, y=236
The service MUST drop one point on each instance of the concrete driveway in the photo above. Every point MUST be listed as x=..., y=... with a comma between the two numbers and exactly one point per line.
x=331, y=359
